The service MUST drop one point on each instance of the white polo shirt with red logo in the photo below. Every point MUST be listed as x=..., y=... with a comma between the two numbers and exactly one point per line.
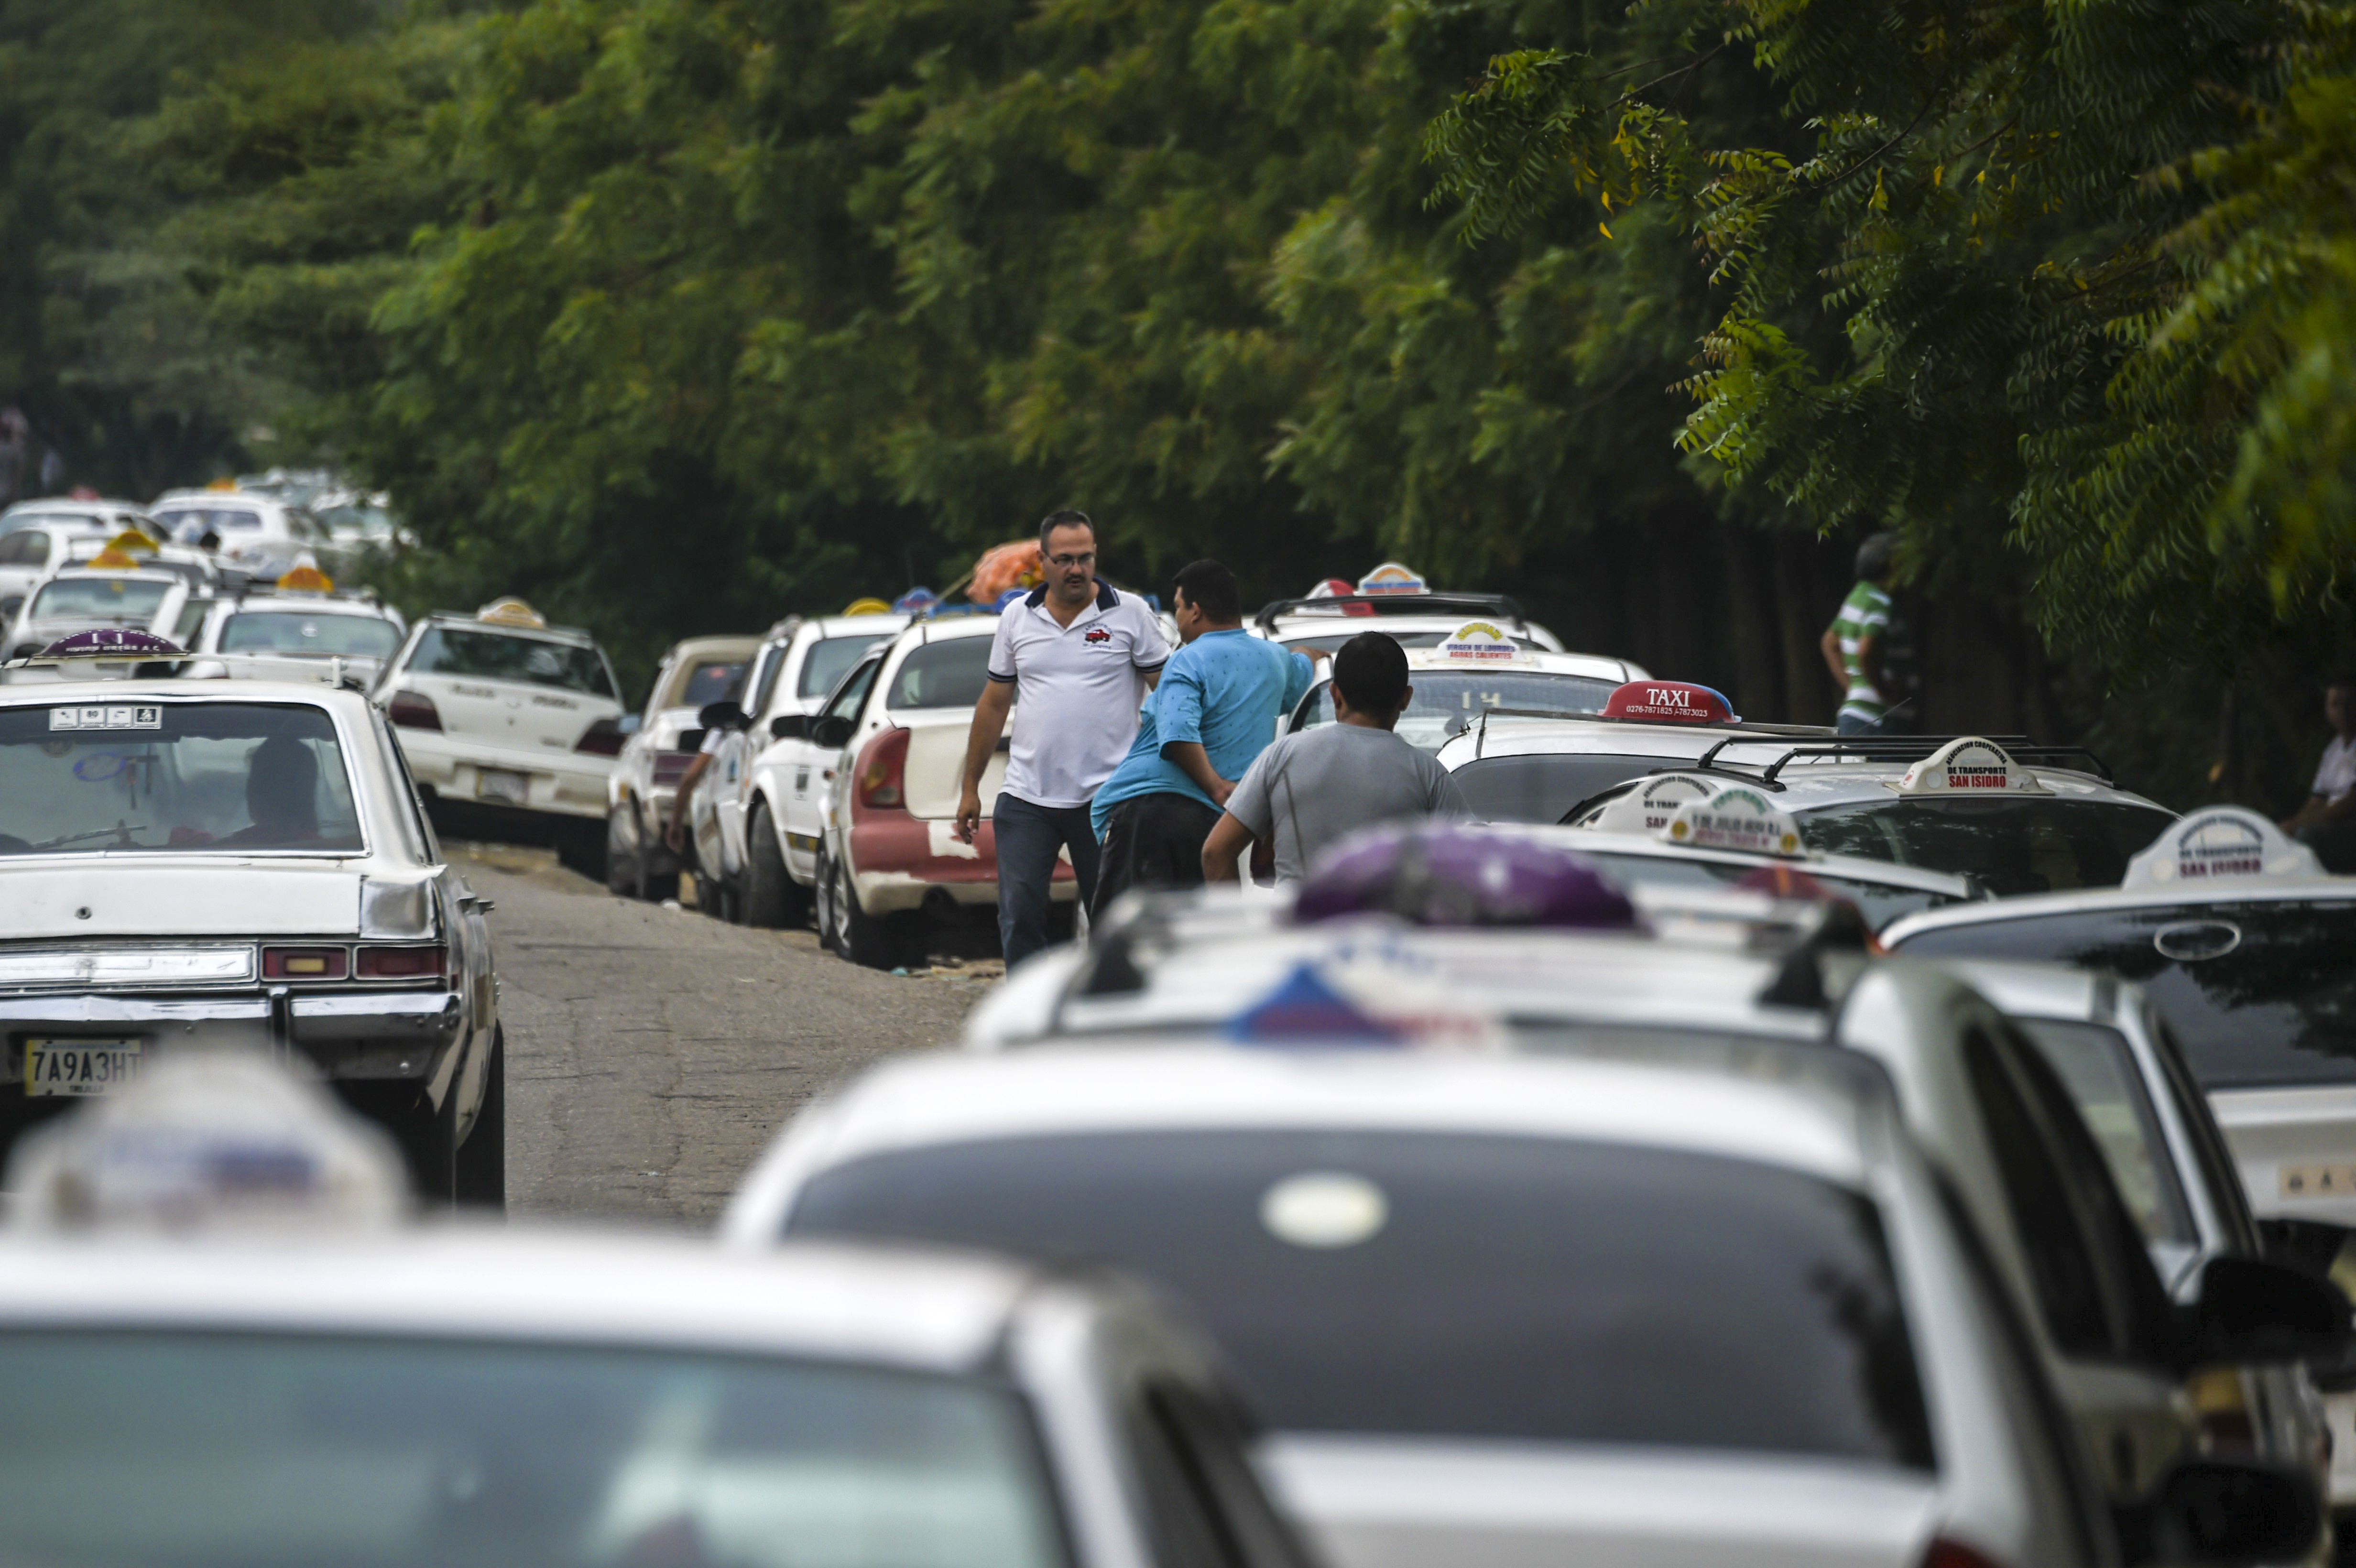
x=1081, y=687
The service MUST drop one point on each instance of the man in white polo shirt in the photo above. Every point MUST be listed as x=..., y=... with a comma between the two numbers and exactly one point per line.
x=1083, y=656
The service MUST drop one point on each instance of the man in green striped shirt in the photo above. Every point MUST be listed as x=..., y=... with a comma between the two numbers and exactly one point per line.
x=1853, y=643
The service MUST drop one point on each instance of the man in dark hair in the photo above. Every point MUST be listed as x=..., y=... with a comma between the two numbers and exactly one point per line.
x=1322, y=783
x=1216, y=708
x=1083, y=655
x=2327, y=823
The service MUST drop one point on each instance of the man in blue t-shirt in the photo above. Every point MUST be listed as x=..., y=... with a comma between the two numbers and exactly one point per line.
x=1216, y=708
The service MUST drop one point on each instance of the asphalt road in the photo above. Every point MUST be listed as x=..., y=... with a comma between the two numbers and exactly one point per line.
x=652, y=1051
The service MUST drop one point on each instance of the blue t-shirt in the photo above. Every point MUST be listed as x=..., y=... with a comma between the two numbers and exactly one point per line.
x=1224, y=690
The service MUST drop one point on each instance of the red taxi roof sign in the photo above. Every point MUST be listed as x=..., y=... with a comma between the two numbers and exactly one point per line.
x=1669, y=703
x=1735, y=818
x=2224, y=843
x=1648, y=806
x=1969, y=766
x=1391, y=578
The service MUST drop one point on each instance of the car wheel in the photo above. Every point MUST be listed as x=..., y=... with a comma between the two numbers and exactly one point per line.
x=479, y=1178
x=652, y=886
x=621, y=869
x=772, y=896
x=873, y=942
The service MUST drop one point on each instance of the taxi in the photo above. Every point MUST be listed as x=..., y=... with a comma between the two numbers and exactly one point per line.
x=39, y=537
x=1476, y=673
x=295, y=629
x=192, y=864
x=262, y=535
x=506, y=717
x=1403, y=604
x=655, y=756
x=114, y=589
x=757, y=814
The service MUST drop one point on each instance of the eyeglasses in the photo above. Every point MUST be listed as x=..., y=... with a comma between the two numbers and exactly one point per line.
x=1068, y=561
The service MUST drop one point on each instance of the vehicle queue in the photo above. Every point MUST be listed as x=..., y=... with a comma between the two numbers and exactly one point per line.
x=1750, y=1145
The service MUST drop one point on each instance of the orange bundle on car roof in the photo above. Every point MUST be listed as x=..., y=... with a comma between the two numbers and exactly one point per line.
x=1005, y=566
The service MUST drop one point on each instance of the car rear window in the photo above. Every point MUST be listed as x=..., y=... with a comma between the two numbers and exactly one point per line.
x=1457, y=1284
x=506, y=656
x=282, y=1449
x=2259, y=994
x=1542, y=786
x=109, y=600
x=941, y=674
x=122, y=775
x=320, y=636
x=1446, y=701
x=2032, y=844
x=710, y=682
x=827, y=661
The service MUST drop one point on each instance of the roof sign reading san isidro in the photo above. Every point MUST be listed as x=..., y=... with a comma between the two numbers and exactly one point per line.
x=1480, y=642
x=1735, y=818
x=2224, y=843
x=1969, y=766
x=1648, y=806
x=1668, y=703
x=1391, y=578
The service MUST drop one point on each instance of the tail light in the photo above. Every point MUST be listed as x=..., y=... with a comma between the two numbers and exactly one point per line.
x=413, y=710
x=671, y=766
x=400, y=963
x=305, y=963
x=1945, y=1553
x=883, y=771
x=602, y=739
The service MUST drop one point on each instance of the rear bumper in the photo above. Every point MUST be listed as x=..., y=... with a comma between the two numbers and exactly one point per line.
x=565, y=784
x=347, y=1034
x=897, y=861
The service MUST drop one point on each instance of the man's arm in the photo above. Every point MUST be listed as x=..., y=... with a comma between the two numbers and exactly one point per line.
x=989, y=724
x=1830, y=643
x=674, y=831
x=1194, y=762
x=1226, y=845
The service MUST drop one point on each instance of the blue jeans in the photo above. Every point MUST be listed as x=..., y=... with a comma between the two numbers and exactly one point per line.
x=1028, y=837
x=1850, y=724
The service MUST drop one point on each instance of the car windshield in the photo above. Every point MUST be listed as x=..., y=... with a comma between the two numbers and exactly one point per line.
x=1447, y=700
x=230, y=1449
x=1457, y=1284
x=1877, y=902
x=2260, y=994
x=710, y=682
x=1332, y=641
x=2024, y=844
x=941, y=674
x=122, y=601
x=227, y=777
x=318, y=636
x=509, y=656
x=827, y=661
x=1543, y=786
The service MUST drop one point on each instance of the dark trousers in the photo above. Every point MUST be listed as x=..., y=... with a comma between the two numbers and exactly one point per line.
x=1152, y=841
x=1028, y=837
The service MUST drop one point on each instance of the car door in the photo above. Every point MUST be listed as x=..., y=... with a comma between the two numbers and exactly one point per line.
x=727, y=786
x=809, y=768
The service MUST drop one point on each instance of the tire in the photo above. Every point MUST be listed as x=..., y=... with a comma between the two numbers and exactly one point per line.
x=654, y=887
x=873, y=942
x=621, y=869
x=429, y=1140
x=479, y=1177
x=771, y=896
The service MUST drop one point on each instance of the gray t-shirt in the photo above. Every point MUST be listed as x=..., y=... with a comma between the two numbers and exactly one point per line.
x=1318, y=784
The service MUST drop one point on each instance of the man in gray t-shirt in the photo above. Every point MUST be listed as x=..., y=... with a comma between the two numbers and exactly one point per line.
x=1313, y=788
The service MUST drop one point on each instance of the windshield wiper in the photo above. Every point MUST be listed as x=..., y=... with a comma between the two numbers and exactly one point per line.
x=94, y=833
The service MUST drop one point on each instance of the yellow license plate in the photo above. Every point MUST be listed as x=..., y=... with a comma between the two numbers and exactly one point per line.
x=78, y=1067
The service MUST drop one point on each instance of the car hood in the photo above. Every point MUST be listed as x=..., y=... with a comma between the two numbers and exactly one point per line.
x=209, y=895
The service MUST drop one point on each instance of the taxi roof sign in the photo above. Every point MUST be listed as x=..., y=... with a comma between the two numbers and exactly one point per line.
x=1391, y=578
x=306, y=580
x=1735, y=818
x=509, y=611
x=113, y=559
x=868, y=606
x=1669, y=703
x=1480, y=642
x=131, y=541
x=1968, y=766
x=2222, y=843
x=1647, y=807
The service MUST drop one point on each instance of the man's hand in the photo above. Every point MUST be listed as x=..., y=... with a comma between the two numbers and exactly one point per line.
x=980, y=740
x=674, y=836
x=1195, y=761
x=1226, y=845
x=969, y=815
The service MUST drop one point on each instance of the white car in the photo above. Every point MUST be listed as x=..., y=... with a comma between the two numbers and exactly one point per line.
x=756, y=817
x=476, y=1398
x=186, y=863
x=151, y=599
x=292, y=635
x=693, y=675
x=1479, y=674
x=37, y=536
x=263, y=536
x=501, y=713
x=1394, y=599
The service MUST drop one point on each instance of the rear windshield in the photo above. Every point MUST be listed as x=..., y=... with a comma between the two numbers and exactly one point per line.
x=504, y=656
x=1543, y=786
x=115, y=600
x=1331, y=642
x=1878, y=902
x=221, y=1449
x=281, y=631
x=2023, y=845
x=195, y=777
x=941, y=674
x=2259, y=994
x=1458, y=1284
x=1446, y=701
x=188, y=522
x=710, y=682
x=827, y=661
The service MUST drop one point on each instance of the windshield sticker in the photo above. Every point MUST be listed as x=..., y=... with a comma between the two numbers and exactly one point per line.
x=110, y=716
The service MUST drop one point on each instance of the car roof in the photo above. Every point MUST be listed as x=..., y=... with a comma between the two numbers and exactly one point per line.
x=917, y=633
x=1521, y=737
x=882, y=626
x=264, y=601
x=98, y=513
x=461, y=620
x=112, y=573
x=201, y=500
x=1527, y=661
x=2095, y=901
x=1886, y=873
x=943, y=1312
x=732, y=647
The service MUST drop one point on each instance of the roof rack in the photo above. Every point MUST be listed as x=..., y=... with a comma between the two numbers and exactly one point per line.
x=1398, y=604
x=1895, y=749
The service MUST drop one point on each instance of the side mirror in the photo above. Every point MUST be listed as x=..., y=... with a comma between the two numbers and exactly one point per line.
x=831, y=732
x=2255, y=1311
x=789, y=726
x=722, y=715
x=2222, y=1511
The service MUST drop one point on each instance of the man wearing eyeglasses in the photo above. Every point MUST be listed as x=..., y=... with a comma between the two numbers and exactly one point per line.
x=1083, y=656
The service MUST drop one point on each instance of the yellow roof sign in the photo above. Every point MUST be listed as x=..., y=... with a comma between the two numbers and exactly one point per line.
x=307, y=579
x=867, y=607
x=113, y=559
x=509, y=611
x=131, y=541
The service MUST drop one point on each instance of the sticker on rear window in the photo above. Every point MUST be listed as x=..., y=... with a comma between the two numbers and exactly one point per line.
x=107, y=715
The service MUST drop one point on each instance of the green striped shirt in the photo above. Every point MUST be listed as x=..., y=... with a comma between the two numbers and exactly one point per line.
x=1864, y=614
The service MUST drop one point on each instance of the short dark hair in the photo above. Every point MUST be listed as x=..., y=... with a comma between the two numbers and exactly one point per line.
x=1065, y=519
x=1873, y=556
x=1211, y=588
x=1371, y=670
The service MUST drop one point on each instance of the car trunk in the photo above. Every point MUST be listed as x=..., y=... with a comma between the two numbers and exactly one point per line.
x=514, y=716
x=936, y=741
x=187, y=895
